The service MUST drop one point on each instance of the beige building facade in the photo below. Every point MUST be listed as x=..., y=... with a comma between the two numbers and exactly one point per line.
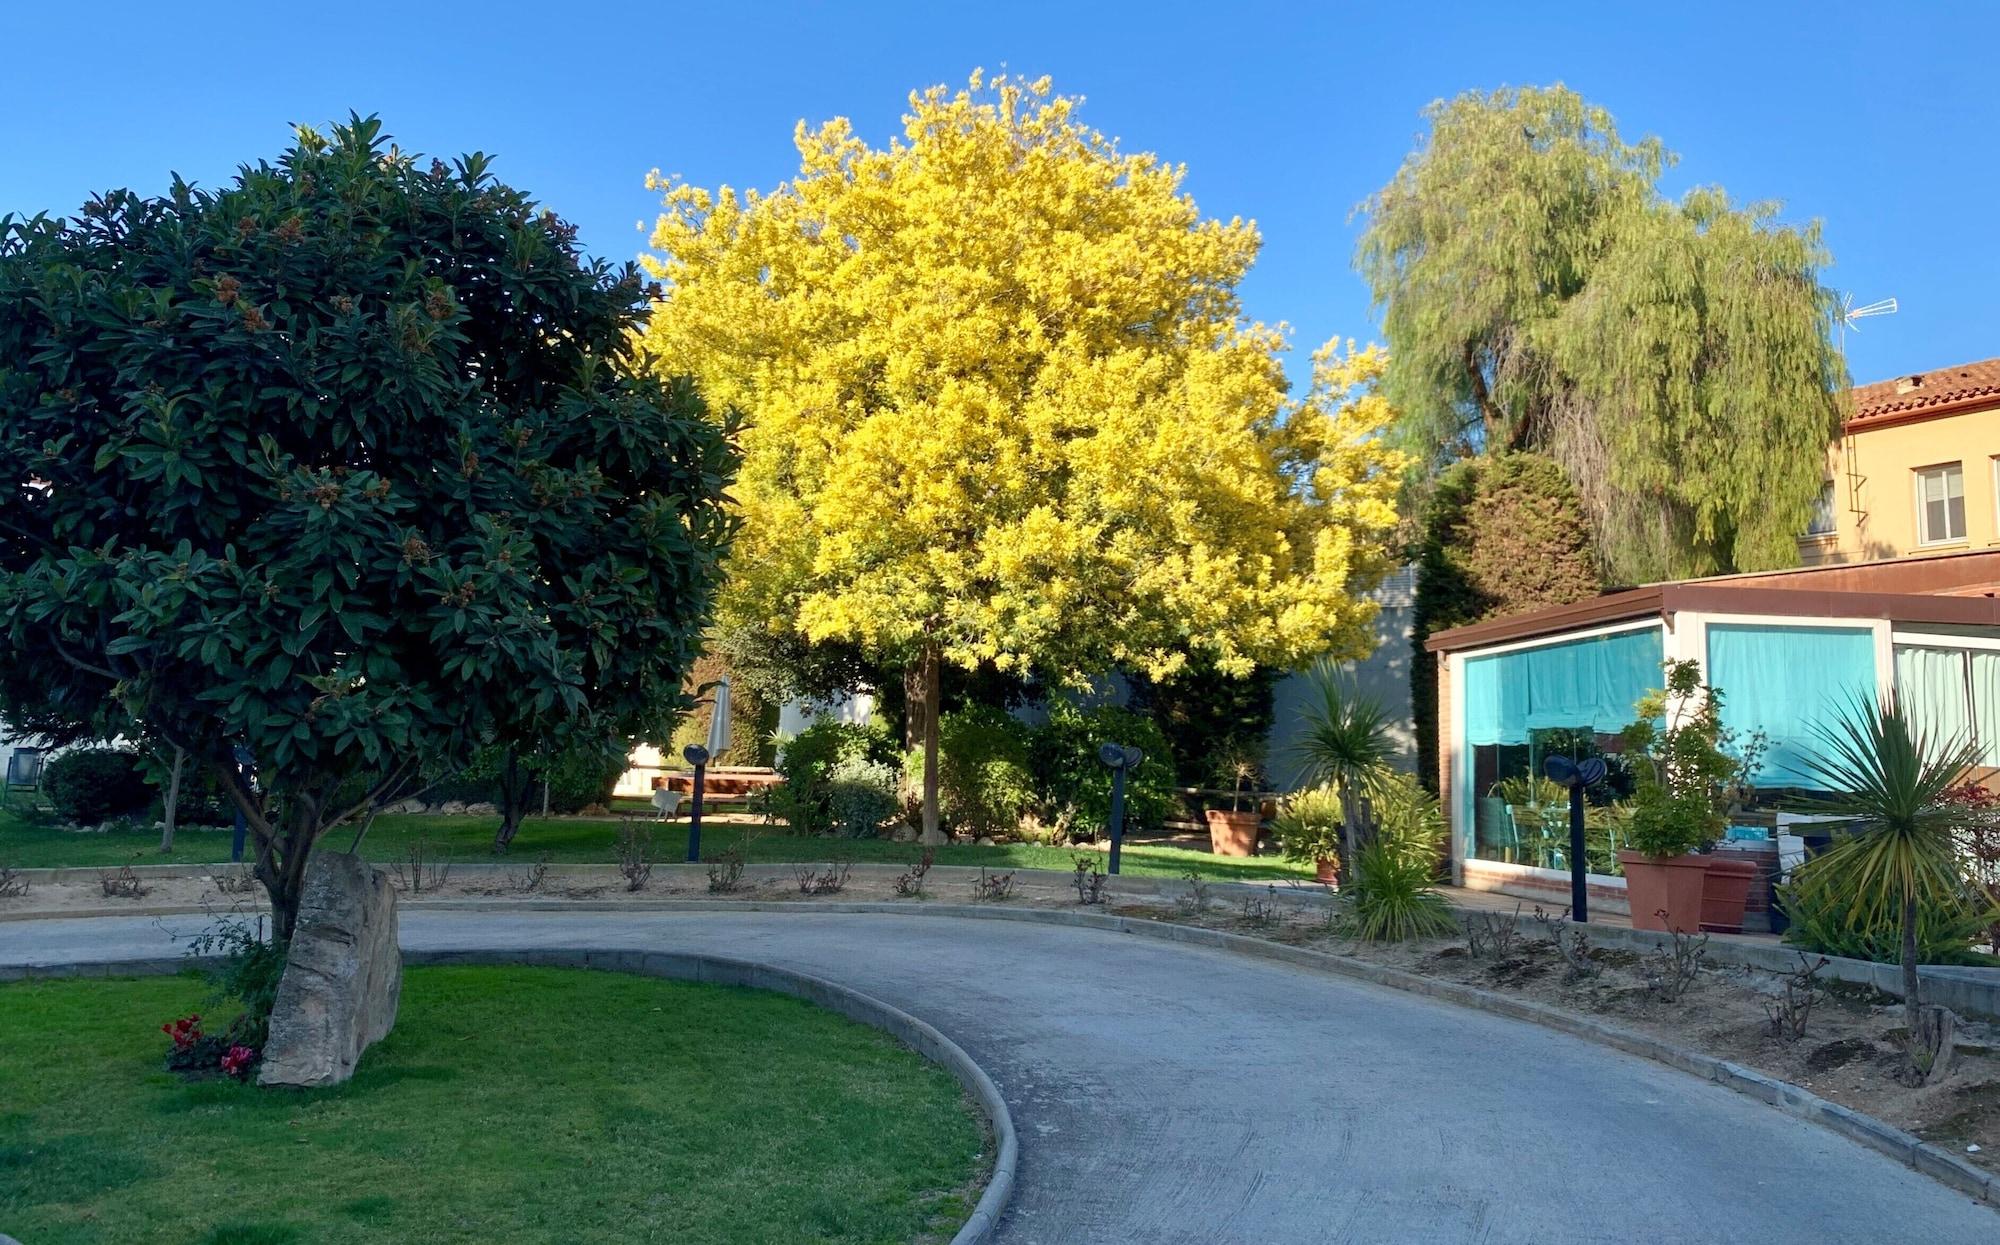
x=1916, y=470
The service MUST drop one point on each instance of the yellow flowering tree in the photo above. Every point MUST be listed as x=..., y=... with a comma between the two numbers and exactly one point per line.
x=1004, y=407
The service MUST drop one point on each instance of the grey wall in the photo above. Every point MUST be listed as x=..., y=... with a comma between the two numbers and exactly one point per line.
x=1383, y=676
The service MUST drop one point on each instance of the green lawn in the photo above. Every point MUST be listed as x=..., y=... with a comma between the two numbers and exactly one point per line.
x=565, y=840
x=509, y=1104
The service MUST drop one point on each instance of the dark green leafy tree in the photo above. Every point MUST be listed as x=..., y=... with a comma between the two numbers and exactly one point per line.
x=1499, y=535
x=340, y=465
x=1539, y=292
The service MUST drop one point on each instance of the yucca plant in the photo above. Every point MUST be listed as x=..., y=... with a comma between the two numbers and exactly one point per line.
x=1345, y=744
x=1887, y=781
x=1392, y=900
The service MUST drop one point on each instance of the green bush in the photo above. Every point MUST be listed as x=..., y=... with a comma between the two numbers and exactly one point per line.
x=985, y=783
x=1308, y=825
x=577, y=777
x=90, y=785
x=806, y=763
x=1409, y=823
x=1391, y=898
x=1823, y=921
x=860, y=795
x=1075, y=782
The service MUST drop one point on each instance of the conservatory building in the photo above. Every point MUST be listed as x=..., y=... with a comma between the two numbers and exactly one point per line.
x=1788, y=650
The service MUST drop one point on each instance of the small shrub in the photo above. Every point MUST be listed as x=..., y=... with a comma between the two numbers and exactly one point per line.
x=87, y=786
x=991, y=888
x=635, y=854
x=238, y=881
x=1676, y=966
x=1391, y=899
x=13, y=883
x=1089, y=880
x=1824, y=921
x=121, y=883
x=423, y=865
x=531, y=879
x=1261, y=910
x=1308, y=825
x=829, y=881
x=1494, y=935
x=910, y=885
x=1790, y=1011
x=861, y=795
x=725, y=873
x=1569, y=940
x=1195, y=899
x=985, y=783
x=1075, y=783
x=806, y=763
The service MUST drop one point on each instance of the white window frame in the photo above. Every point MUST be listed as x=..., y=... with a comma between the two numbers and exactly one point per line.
x=1917, y=476
x=1832, y=494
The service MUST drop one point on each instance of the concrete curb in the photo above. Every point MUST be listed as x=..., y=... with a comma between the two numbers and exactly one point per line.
x=861, y=1008
x=1967, y=991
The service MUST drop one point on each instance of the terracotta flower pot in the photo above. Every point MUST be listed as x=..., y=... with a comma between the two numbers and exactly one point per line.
x=1233, y=833
x=1326, y=870
x=1669, y=884
x=1725, y=892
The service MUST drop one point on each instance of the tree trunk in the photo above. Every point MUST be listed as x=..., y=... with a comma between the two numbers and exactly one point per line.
x=1932, y=1030
x=170, y=807
x=281, y=867
x=933, y=832
x=913, y=706
x=1347, y=844
x=514, y=784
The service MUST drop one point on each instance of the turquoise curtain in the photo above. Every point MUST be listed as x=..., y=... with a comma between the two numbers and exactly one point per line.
x=1931, y=685
x=1786, y=680
x=1578, y=683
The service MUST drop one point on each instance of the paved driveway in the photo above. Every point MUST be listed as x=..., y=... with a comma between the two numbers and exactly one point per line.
x=1169, y=1094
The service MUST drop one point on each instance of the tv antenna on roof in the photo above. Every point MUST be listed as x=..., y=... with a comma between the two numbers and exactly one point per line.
x=1851, y=316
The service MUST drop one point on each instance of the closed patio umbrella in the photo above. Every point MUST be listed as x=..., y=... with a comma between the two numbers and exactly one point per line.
x=718, y=722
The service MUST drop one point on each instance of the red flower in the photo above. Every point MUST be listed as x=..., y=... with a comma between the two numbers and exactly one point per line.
x=236, y=1060
x=185, y=1032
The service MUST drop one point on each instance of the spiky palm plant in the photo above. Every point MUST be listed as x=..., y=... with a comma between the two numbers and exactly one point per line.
x=1345, y=744
x=1886, y=780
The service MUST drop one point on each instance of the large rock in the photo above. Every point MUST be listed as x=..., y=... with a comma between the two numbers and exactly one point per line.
x=343, y=975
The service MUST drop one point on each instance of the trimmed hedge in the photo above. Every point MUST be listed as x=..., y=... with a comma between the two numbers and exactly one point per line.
x=87, y=786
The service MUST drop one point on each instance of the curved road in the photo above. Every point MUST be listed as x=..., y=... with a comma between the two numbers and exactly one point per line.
x=1169, y=1094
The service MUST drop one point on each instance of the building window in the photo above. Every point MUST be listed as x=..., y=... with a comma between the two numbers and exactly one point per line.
x=1822, y=523
x=1941, y=504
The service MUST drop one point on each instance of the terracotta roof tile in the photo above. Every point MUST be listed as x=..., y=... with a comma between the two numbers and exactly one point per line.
x=1927, y=393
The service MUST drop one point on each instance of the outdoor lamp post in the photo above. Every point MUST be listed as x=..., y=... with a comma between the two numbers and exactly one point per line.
x=1120, y=758
x=697, y=756
x=1575, y=776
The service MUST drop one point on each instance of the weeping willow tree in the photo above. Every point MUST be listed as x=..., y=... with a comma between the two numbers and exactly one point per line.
x=1539, y=292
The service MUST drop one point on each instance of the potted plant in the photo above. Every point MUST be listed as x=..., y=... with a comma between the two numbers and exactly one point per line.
x=1678, y=811
x=1308, y=827
x=1233, y=831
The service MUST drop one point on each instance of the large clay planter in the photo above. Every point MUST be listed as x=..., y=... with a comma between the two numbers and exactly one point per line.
x=1725, y=892
x=1326, y=871
x=1233, y=833
x=1670, y=884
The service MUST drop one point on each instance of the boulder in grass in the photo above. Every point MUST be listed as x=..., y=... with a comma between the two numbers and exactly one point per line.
x=343, y=975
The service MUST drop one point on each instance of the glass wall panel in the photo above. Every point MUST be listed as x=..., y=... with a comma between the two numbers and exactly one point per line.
x=1786, y=681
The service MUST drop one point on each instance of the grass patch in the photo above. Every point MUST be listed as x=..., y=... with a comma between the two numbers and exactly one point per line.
x=515, y=1104
x=25, y=844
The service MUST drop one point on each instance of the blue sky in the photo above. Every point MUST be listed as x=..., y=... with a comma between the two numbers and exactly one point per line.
x=1879, y=120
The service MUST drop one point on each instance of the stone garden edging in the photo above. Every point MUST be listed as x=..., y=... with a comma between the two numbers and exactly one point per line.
x=861, y=1008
